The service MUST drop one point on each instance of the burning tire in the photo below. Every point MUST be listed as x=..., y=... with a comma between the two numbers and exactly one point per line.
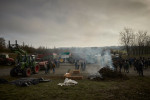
x=27, y=72
x=36, y=69
x=13, y=72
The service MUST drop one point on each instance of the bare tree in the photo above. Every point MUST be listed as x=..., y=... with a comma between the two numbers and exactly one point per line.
x=147, y=44
x=135, y=44
x=2, y=44
x=126, y=38
x=141, y=41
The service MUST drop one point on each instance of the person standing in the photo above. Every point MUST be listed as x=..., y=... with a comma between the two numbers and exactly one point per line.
x=120, y=65
x=53, y=67
x=76, y=65
x=140, y=68
x=126, y=66
x=47, y=67
x=55, y=62
x=135, y=65
x=84, y=65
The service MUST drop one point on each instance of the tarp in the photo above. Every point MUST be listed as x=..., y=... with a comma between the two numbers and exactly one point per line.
x=28, y=81
x=68, y=82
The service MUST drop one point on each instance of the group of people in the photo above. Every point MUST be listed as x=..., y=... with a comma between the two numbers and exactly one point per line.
x=51, y=65
x=138, y=64
x=119, y=64
x=80, y=63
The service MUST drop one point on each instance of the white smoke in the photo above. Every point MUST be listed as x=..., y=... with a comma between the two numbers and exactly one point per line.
x=103, y=60
x=96, y=58
x=106, y=60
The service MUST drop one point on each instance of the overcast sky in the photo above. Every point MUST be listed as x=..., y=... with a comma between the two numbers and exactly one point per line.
x=71, y=23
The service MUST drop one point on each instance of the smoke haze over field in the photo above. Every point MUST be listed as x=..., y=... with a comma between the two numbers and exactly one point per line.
x=104, y=59
x=71, y=23
x=96, y=58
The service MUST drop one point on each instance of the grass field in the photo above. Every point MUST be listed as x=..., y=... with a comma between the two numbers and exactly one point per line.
x=136, y=88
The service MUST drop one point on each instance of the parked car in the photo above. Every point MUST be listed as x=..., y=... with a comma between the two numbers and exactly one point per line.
x=6, y=60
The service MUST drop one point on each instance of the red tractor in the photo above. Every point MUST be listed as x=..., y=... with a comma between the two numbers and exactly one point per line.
x=5, y=60
x=42, y=62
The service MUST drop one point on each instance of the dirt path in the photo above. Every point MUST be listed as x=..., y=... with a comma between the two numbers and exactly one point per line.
x=58, y=71
x=133, y=72
x=64, y=67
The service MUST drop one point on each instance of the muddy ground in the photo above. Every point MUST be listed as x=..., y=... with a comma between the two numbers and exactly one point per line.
x=64, y=67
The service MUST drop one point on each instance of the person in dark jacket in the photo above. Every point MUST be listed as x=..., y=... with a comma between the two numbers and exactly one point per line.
x=120, y=65
x=82, y=66
x=53, y=67
x=76, y=64
x=140, y=68
x=126, y=66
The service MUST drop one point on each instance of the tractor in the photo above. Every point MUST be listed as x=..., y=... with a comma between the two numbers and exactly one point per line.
x=25, y=64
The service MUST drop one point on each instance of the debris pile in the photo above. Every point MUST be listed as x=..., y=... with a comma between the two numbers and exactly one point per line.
x=68, y=82
x=96, y=76
x=110, y=73
x=28, y=81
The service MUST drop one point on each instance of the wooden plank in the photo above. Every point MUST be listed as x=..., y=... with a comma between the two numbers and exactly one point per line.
x=75, y=77
x=76, y=71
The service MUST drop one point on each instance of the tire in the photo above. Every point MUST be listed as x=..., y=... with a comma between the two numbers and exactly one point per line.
x=13, y=72
x=36, y=69
x=27, y=72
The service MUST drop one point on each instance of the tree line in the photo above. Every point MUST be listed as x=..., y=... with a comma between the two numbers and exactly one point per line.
x=29, y=49
x=135, y=43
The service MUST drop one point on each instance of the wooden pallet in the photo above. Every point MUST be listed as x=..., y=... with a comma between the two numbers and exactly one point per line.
x=75, y=77
x=76, y=71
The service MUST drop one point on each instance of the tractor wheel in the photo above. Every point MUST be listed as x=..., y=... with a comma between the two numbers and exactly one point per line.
x=27, y=72
x=36, y=69
x=13, y=72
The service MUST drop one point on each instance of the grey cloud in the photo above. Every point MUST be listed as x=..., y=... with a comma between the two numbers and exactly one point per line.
x=72, y=22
